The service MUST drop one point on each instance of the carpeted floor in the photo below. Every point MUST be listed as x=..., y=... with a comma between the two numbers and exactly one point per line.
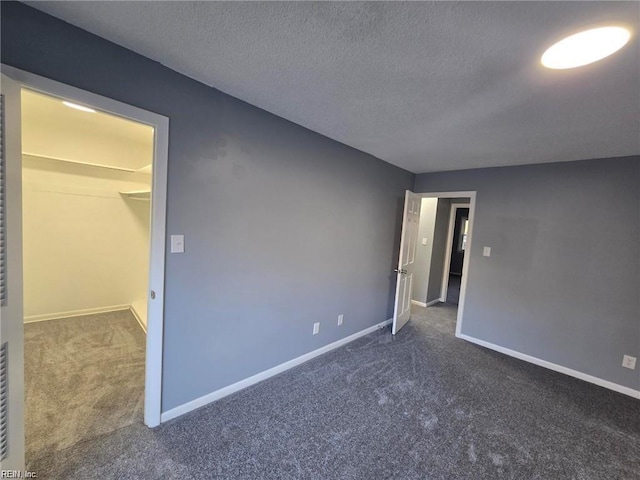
x=420, y=405
x=84, y=377
x=453, y=289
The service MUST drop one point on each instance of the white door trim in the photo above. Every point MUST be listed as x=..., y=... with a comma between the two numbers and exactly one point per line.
x=155, y=325
x=11, y=311
x=444, y=287
x=465, y=264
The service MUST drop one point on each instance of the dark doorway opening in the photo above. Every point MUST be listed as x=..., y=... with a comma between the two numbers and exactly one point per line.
x=456, y=261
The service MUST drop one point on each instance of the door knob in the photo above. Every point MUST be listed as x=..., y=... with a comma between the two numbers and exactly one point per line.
x=401, y=272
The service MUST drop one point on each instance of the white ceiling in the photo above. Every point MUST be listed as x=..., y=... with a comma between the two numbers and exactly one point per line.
x=427, y=86
x=53, y=130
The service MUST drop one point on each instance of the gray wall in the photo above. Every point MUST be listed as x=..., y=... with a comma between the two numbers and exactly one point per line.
x=563, y=280
x=423, y=252
x=439, y=249
x=283, y=227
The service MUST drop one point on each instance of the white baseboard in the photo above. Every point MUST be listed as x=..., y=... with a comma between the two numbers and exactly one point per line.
x=247, y=382
x=552, y=366
x=74, y=313
x=138, y=318
x=428, y=304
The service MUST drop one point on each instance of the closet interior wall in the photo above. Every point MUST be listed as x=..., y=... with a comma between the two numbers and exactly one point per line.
x=86, y=243
x=424, y=250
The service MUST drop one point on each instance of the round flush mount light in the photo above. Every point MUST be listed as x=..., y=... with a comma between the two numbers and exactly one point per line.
x=79, y=107
x=585, y=47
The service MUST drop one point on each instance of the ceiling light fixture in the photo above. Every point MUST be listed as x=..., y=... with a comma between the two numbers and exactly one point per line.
x=79, y=107
x=585, y=47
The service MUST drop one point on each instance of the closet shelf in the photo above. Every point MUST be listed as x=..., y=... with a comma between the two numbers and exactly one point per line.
x=144, y=170
x=137, y=194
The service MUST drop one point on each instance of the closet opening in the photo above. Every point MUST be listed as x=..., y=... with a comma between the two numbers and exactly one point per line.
x=86, y=190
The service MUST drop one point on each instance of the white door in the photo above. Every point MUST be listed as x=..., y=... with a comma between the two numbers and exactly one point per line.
x=11, y=325
x=407, y=260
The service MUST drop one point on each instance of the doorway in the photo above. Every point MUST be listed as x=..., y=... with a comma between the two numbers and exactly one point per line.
x=11, y=315
x=429, y=243
x=86, y=189
x=457, y=238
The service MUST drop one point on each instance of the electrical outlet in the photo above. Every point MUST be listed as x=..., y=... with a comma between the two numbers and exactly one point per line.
x=629, y=362
x=316, y=328
x=340, y=319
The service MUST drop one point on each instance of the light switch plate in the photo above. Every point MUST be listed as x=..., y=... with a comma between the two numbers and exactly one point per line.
x=486, y=252
x=177, y=243
x=424, y=241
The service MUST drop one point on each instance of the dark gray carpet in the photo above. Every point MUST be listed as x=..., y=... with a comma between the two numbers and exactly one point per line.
x=84, y=377
x=421, y=405
x=453, y=289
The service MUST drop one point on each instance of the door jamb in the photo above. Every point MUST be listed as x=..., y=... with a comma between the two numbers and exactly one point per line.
x=465, y=264
x=155, y=309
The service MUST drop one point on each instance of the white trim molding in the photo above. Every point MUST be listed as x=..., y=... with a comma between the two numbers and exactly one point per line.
x=74, y=313
x=553, y=366
x=424, y=305
x=247, y=382
x=138, y=318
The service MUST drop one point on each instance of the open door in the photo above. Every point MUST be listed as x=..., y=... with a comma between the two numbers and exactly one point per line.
x=11, y=329
x=406, y=260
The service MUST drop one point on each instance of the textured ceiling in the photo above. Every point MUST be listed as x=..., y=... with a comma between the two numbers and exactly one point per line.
x=427, y=86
